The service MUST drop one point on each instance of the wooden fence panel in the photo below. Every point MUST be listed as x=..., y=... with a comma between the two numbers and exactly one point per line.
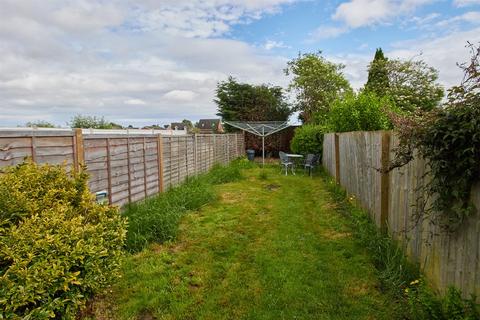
x=359, y=162
x=447, y=259
x=231, y=147
x=41, y=147
x=129, y=167
x=328, y=157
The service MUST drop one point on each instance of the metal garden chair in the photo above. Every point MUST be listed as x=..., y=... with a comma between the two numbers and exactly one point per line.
x=285, y=162
x=311, y=162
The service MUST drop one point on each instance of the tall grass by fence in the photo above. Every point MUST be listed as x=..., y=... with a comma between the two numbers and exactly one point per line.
x=395, y=201
x=128, y=166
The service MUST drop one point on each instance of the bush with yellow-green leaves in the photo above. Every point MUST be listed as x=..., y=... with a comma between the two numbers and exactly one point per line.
x=57, y=246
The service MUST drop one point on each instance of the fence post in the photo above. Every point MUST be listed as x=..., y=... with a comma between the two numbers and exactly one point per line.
x=129, y=171
x=337, y=157
x=145, y=166
x=109, y=172
x=79, y=149
x=236, y=146
x=195, y=150
x=214, y=149
x=33, y=146
x=186, y=156
x=160, y=162
x=384, y=182
x=170, y=151
x=227, y=146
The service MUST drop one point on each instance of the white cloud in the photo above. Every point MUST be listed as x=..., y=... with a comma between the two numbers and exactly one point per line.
x=359, y=13
x=150, y=61
x=130, y=61
x=465, y=3
x=442, y=53
x=272, y=44
x=180, y=95
x=202, y=18
x=135, y=102
x=472, y=17
x=327, y=32
x=423, y=21
x=355, y=67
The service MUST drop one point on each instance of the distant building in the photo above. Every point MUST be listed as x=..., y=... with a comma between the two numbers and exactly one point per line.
x=210, y=126
x=154, y=127
x=177, y=126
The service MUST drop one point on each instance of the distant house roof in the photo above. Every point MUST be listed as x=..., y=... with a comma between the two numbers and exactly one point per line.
x=177, y=126
x=208, y=123
x=155, y=127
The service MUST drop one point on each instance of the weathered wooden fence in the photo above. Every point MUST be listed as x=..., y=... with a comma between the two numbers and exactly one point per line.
x=394, y=200
x=129, y=167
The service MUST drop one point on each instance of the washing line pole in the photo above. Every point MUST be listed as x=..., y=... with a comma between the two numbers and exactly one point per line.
x=254, y=128
x=263, y=146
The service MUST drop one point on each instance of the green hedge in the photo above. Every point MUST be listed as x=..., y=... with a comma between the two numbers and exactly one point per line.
x=308, y=139
x=57, y=246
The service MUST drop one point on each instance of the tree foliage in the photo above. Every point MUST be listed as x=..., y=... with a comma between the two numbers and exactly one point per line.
x=360, y=112
x=412, y=85
x=40, y=124
x=188, y=124
x=378, y=82
x=449, y=139
x=245, y=102
x=317, y=83
x=92, y=122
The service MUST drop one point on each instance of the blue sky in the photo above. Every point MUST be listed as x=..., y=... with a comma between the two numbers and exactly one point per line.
x=146, y=61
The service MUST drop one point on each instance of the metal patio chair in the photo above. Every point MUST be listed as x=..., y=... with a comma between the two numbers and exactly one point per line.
x=285, y=162
x=311, y=162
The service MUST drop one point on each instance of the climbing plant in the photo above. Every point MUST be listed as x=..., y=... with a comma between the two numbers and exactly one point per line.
x=448, y=139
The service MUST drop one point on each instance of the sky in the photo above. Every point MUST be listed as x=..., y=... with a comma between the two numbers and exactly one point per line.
x=157, y=61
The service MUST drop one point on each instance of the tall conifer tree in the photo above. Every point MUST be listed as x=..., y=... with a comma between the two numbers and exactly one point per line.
x=378, y=74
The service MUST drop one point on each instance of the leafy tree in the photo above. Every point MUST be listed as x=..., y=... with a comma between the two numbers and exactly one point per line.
x=378, y=82
x=412, y=85
x=317, y=83
x=90, y=122
x=188, y=124
x=245, y=102
x=360, y=112
x=40, y=124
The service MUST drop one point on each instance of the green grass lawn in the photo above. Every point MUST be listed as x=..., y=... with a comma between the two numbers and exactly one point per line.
x=271, y=247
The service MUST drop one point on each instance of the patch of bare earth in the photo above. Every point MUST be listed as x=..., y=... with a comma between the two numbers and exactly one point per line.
x=272, y=187
x=146, y=315
x=230, y=197
x=98, y=308
x=334, y=235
